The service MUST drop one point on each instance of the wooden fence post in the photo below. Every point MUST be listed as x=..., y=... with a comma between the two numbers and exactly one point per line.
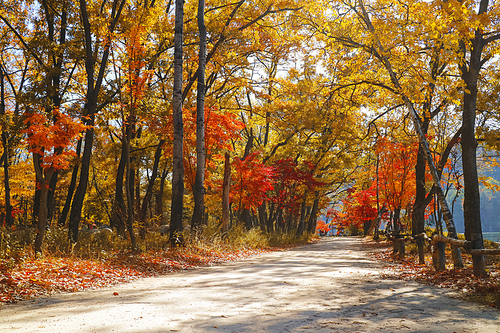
x=401, y=248
x=441, y=256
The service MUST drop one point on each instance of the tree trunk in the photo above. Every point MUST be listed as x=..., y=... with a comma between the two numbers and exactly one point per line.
x=141, y=217
x=199, y=184
x=42, y=218
x=302, y=223
x=395, y=220
x=271, y=219
x=159, y=197
x=72, y=185
x=5, y=156
x=314, y=216
x=263, y=217
x=129, y=189
x=418, y=213
x=6, y=181
x=450, y=224
x=43, y=180
x=472, y=216
x=117, y=220
x=90, y=109
x=472, y=209
x=225, y=195
x=77, y=204
x=51, y=204
x=176, y=216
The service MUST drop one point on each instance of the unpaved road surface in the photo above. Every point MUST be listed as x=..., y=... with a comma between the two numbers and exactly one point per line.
x=330, y=286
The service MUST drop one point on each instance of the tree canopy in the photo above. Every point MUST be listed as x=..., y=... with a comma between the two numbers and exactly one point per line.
x=120, y=113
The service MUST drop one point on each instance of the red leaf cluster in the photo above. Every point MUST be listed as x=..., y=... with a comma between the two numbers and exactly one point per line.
x=251, y=182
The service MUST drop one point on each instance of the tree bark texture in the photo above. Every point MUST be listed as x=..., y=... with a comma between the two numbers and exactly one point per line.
x=472, y=210
x=199, y=184
x=176, y=215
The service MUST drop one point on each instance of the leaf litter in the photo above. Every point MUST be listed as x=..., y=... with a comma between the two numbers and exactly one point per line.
x=33, y=278
x=468, y=287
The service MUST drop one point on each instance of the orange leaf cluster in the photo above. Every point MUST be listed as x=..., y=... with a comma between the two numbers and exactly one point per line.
x=51, y=140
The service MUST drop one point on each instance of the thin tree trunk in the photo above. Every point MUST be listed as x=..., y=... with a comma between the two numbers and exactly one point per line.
x=159, y=197
x=379, y=216
x=141, y=217
x=314, y=215
x=302, y=223
x=5, y=156
x=176, y=216
x=225, y=195
x=77, y=204
x=117, y=220
x=129, y=189
x=263, y=217
x=72, y=185
x=199, y=184
x=51, y=204
x=271, y=219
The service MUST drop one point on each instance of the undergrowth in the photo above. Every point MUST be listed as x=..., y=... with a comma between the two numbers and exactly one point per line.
x=104, y=258
x=17, y=245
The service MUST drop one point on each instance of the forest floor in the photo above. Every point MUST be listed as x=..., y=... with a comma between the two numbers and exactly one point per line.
x=462, y=281
x=336, y=284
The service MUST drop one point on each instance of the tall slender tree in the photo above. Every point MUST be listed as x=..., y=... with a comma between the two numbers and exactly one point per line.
x=176, y=215
x=94, y=83
x=199, y=184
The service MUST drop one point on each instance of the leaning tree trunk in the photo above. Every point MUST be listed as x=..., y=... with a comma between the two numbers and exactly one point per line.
x=71, y=189
x=141, y=216
x=450, y=224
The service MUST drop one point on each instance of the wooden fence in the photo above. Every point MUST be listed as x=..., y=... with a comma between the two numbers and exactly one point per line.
x=438, y=241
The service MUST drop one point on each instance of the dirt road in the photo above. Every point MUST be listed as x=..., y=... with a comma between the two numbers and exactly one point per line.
x=330, y=286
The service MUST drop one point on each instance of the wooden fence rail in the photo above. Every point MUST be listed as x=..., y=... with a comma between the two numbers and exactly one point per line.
x=438, y=241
